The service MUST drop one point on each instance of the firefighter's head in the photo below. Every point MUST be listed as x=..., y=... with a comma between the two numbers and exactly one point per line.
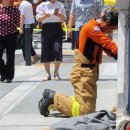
x=109, y=22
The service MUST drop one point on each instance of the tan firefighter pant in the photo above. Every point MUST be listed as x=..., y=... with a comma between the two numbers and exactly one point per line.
x=85, y=89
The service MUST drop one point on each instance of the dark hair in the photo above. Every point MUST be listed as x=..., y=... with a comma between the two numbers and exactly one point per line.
x=112, y=17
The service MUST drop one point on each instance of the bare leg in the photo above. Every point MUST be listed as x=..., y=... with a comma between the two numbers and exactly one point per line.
x=56, y=74
x=47, y=69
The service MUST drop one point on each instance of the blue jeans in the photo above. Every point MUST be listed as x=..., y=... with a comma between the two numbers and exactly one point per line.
x=75, y=36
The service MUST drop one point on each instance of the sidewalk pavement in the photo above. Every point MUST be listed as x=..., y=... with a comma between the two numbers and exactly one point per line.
x=19, y=100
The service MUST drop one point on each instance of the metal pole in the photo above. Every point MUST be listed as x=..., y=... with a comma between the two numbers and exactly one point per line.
x=28, y=37
x=129, y=61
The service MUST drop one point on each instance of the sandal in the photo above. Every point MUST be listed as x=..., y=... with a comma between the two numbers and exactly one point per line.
x=56, y=76
x=47, y=77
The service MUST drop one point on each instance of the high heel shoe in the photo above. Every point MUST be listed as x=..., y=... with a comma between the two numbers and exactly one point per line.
x=47, y=77
x=56, y=76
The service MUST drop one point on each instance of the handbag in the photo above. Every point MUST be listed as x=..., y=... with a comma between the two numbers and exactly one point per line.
x=19, y=42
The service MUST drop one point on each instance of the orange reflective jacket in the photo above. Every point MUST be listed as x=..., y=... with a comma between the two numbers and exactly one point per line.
x=92, y=42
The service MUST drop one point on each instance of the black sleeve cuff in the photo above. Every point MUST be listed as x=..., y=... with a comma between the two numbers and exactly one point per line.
x=115, y=56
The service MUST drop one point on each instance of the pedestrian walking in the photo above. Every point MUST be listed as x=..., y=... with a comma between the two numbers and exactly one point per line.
x=81, y=12
x=51, y=14
x=9, y=21
x=88, y=55
x=27, y=18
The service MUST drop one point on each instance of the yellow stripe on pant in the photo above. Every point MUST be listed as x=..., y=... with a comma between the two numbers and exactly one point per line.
x=75, y=107
x=109, y=2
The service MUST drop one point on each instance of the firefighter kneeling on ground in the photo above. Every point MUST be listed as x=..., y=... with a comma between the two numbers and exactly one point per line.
x=88, y=55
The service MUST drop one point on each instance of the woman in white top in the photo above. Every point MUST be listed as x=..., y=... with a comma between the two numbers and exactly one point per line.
x=51, y=14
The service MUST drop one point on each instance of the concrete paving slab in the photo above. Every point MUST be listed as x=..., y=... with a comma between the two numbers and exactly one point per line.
x=23, y=127
x=28, y=120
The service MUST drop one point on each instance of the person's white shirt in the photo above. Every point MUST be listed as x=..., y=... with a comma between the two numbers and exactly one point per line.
x=48, y=7
x=27, y=10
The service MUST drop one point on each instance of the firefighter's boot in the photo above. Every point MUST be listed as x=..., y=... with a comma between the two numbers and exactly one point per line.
x=46, y=101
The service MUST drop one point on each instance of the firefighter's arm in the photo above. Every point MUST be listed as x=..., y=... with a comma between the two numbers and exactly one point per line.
x=104, y=41
x=110, y=55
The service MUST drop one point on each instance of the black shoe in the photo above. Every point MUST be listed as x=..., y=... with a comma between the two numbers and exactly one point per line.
x=46, y=101
x=8, y=80
x=2, y=79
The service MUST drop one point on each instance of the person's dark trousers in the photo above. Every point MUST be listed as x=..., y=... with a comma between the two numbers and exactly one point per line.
x=7, y=67
x=33, y=53
x=75, y=36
